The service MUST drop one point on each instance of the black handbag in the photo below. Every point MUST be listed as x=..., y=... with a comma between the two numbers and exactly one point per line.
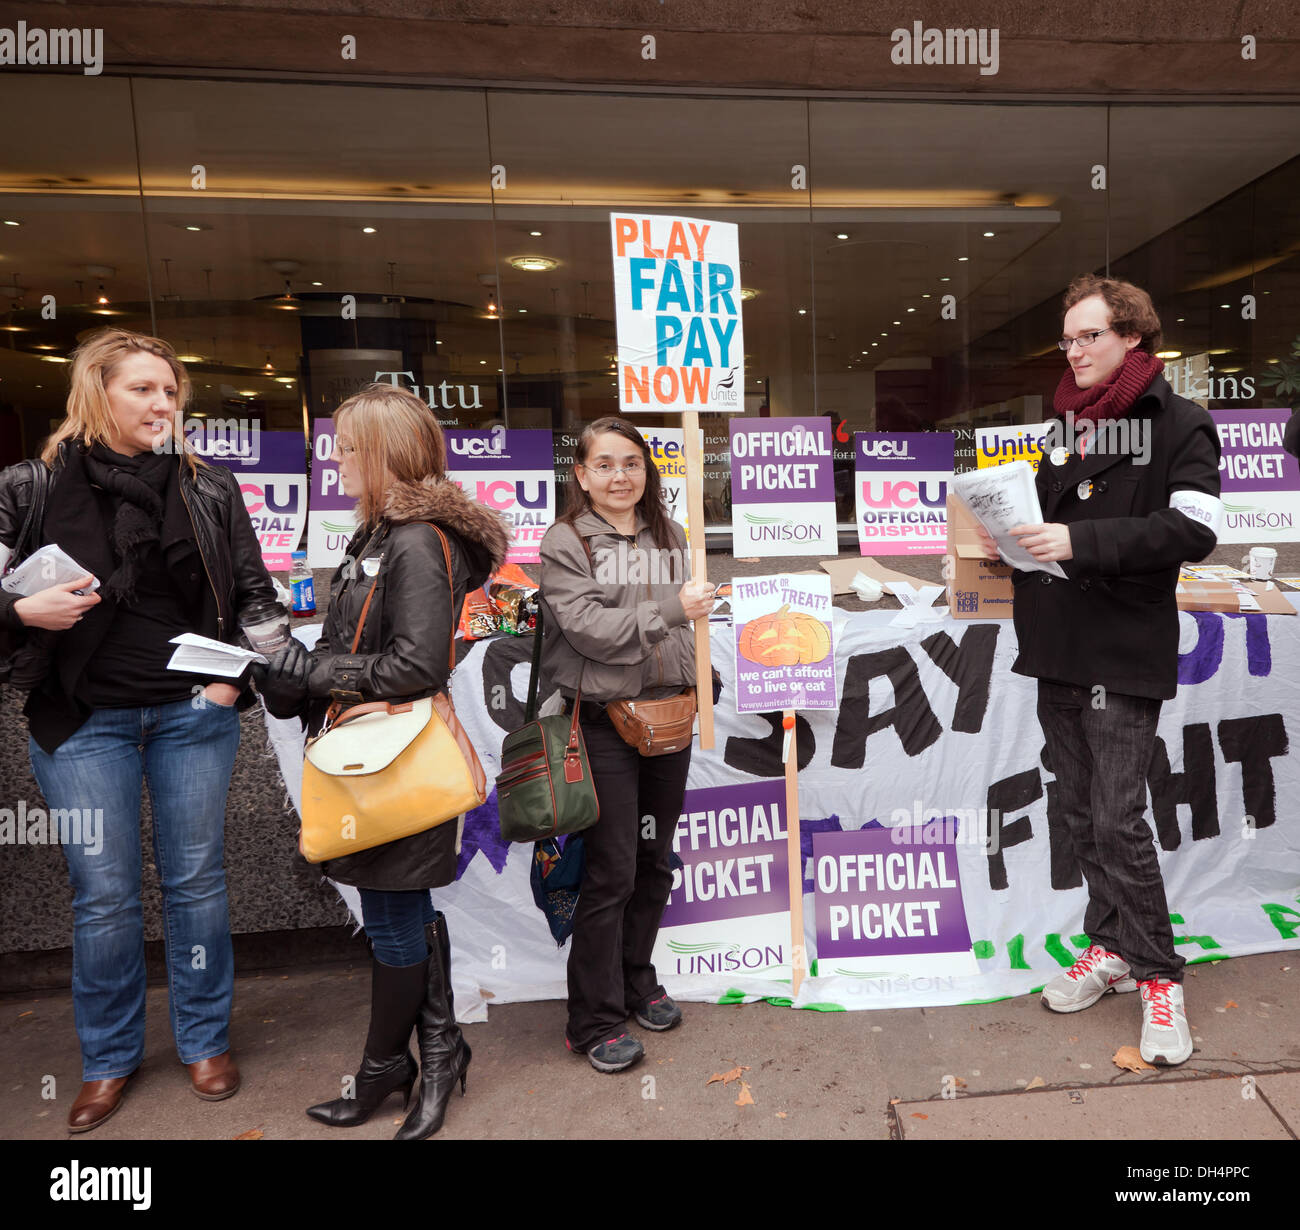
x=545, y=787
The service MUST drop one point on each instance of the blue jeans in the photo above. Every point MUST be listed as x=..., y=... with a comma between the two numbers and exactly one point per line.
x=395, y=923
x=185, y=751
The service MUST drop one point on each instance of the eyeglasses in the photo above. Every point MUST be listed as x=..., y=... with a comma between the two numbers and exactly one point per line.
x=1084, y=340
x=605, y=470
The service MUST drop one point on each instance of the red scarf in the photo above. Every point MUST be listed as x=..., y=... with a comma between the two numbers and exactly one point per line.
x=1113, y=398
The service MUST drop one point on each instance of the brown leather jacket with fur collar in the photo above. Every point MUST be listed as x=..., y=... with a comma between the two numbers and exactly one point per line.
x=403, y=648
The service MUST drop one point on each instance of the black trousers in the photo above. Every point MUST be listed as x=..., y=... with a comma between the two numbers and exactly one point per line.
x=626, y=882
x=1101, y=757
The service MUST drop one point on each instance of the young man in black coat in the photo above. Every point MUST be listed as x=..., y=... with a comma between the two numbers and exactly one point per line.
x=1129, y=486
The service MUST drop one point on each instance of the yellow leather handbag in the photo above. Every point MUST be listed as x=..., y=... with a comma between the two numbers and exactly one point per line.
x=380, y=771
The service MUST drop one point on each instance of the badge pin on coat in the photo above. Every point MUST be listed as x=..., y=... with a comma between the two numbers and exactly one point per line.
x=370, y=565
x=1059, y=455
x=1085, y=489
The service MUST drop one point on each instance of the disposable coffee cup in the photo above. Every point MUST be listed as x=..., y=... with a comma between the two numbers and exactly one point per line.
x=1260, y=563
x=268, y=632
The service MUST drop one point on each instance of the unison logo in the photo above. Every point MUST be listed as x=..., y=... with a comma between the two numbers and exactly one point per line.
x=60, y=46
x=932, y=46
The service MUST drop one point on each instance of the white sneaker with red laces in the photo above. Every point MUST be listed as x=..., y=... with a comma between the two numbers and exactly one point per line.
x=1087, y=980
x=1166, y=1039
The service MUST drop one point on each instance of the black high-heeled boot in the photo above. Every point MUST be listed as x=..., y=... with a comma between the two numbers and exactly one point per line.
x=462, y=1059
x=396, y=994
x=444, y=1054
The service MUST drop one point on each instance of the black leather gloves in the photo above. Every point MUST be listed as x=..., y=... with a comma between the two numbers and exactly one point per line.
x=283, y=681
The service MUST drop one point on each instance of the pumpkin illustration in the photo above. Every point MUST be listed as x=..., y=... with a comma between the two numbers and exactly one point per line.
x=785, y=638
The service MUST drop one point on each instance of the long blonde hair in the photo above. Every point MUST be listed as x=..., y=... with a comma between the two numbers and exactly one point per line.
x=88, y=417
x=395, y=437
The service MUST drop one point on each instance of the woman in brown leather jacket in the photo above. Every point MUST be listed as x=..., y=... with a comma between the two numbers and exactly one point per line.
x=613, y=578
x=391, y=456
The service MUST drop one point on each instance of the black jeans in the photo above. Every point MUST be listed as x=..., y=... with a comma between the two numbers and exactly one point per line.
x=626, y=882
x=1101, y=757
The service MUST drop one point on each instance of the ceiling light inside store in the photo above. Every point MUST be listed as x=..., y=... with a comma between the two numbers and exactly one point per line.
x=911, y=309
x=841, y=235
x=1222, y=350
x=1169, y=354
x=318, y=283
x=247, y=392
x=963, y=258
x=1230, y=370
x=11, y=222
x=12, y=329
x=1225, y=305
x=945, y=279
x=988, y=234
x=53, y=358
x=534, y=264
x=284, y=380
x=190, y=358
x=747, y=293
x=534, y=234
x=368, y=230
x=101, y=298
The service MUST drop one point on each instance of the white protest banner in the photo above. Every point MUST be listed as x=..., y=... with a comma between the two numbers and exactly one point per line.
x=933, y=726
x=1260, y=481
x=782, y=487
x=901, y=491
x=331, y=516
x=513, y=472
x=681, y=344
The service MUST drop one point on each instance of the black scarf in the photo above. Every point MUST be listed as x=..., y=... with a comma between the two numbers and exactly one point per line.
x=149, y=512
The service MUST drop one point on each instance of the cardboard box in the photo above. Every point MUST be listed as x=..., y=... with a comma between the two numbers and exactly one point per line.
x=978, y=588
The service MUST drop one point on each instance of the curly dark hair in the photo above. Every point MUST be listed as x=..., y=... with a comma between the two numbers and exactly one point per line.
x=1131, y=309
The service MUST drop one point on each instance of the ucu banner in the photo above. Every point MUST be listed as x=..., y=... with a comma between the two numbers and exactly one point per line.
x=273, y=483
x=901, y=485
x=511, y=472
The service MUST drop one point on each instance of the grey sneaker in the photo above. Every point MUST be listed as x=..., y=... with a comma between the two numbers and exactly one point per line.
x=1166, y=1039
x=615, y=1054
x=658, y=1014
x=1087, y=980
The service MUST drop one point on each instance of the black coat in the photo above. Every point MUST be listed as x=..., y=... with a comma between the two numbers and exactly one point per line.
x=234, y=582
x=1114, y=621
x=403, y=652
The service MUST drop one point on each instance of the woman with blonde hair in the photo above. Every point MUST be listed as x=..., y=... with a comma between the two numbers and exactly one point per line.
x=391, y=457
x=171, y=545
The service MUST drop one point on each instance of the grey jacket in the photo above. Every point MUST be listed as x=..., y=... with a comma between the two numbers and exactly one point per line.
x=616, y=614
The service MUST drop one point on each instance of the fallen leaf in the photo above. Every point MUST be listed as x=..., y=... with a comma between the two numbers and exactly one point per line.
x=251, y=1134
x=916, y=1114
x=1074, y=1039
x=894, y=1101
x=1130, y=1058
x=1037, y=1083
x=744, y=1099
x=780, y=1114
x=960, y=1084
x=1232, y=1003
x=23, y=1014
x=726, y=1077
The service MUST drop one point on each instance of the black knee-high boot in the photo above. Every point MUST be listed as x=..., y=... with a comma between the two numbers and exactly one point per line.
x=444, y=1053
x=396, y=994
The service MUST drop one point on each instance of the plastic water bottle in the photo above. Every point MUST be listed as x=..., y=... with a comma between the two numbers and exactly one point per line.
x=300, y=582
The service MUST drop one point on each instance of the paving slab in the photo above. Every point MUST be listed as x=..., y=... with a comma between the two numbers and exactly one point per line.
x=1189, y=1109
x=1283, y=1093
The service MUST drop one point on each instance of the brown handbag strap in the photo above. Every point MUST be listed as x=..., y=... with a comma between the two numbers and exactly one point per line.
x=332, y=714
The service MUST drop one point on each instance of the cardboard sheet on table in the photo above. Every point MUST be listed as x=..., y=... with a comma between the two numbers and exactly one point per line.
x=842, y=572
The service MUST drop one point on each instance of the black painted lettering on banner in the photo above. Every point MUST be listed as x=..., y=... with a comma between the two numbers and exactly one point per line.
x=1010, y=794
x=1254, y=741
x=500, y=657
x=910, y=715
x=762, y=757
x=970, y=667
x=1195, y=786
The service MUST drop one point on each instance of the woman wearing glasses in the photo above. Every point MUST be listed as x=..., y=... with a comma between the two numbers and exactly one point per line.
x=613, y=573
